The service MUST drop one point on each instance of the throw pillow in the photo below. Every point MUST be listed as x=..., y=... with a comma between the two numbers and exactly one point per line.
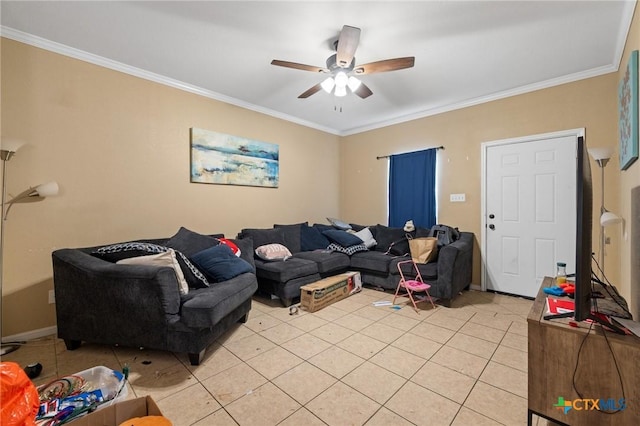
x=220, y=264
x=234, y=248
x=312, y=239
x=167, y=258
x=343, y=238
x=273, y=252
x=367, y=237
x=340, y=224
x=188, y=242
x=194, y=277
x=347, y=250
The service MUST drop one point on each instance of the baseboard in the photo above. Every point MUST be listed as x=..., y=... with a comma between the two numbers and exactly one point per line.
x=30, y=335
x=475, y=287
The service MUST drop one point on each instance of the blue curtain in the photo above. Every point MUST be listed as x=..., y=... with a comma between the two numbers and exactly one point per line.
x=412, y=188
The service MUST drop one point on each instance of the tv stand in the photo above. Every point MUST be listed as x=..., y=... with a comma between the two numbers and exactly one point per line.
x=553, y=351
x=593, y=318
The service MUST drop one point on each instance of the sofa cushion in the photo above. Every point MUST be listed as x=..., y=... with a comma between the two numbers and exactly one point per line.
x=392, y=240
x=273, y=252
x=189, y=243
x=327, y=262
x=367, y=237
x=167, y=258
x=342, y=238
x=246, y=250
x=312, y=239
x=373, y=261
x=429, y=271
x=220, y=264
x=204, y=308
x=292, y=235
x=285, y=270
x=261, y=237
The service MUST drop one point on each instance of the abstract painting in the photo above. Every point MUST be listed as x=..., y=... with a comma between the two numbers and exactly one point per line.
x=231, y=160
x=628, y=108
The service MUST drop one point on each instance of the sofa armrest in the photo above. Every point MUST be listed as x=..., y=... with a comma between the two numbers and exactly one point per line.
x=455, y=264
x=111, y=295
x=246, y=250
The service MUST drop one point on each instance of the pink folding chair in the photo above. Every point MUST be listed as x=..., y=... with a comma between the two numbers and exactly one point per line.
x=412, y=285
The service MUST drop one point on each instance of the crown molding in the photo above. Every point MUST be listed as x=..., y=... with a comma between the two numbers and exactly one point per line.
x=91, y=58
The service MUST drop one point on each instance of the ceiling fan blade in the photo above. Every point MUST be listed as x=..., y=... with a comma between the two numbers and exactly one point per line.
x=311, y=91
x=298, y=66
x=385, y=65
x=363, y=91
x=347, y=45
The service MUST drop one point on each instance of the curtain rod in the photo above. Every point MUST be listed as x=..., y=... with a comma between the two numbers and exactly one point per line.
x=389, y=156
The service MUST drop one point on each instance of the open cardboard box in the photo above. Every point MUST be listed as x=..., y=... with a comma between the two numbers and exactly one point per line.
x=320, y=294
x=117, y=413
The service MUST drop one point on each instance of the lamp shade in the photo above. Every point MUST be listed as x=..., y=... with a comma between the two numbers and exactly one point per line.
x=328, y=84
x=353, y=83
x=340, y=90
x=600, y=153
x=609, y=218
x=11, y=145
x=48, y=189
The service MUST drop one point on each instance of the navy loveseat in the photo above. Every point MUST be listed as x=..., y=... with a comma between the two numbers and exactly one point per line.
x=100, y=301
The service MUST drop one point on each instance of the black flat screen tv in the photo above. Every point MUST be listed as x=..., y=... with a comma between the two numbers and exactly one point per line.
x=584, y=222
x=584, y=306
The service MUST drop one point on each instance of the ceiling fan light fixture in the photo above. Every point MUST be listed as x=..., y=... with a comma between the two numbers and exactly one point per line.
x=328, y=84
x=341, y=80
x=353, y=83
x=340, y=91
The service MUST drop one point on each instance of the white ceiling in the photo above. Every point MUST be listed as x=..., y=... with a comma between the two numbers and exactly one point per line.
x=466, y=52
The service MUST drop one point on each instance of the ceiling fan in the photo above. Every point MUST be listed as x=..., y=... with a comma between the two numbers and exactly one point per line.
x=342, y=67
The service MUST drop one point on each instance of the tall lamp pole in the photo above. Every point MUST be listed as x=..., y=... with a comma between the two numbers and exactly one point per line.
x=6, y=152
x=602, y=156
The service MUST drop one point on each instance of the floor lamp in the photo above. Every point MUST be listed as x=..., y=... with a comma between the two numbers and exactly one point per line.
x=7, y=150
x=602, y=156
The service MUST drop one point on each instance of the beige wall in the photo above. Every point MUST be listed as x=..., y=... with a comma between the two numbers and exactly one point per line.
x=119, y=148
x=588, y=103
x=629, y=261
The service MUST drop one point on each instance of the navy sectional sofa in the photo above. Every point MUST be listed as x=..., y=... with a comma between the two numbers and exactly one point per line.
x=448, y=275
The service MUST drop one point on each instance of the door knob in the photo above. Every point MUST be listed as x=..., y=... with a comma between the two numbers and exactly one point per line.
x=492, y=216
x=492, y=226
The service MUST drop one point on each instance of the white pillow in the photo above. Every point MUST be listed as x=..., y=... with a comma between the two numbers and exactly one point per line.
x=167, y=258
x=273, y=252
x=340, y=224
x=367, y=237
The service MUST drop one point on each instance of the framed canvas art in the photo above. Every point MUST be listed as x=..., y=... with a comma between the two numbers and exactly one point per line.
x=224, y=159
x=628, y=110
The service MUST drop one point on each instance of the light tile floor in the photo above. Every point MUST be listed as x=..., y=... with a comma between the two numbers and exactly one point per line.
x=348, y=364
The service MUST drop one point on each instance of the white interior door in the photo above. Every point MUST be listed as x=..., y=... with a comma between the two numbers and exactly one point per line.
x=529, y=211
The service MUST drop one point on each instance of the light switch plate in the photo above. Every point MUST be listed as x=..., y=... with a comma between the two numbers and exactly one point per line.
x=457, y=198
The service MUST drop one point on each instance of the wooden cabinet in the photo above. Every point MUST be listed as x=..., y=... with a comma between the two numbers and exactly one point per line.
x=579, y=364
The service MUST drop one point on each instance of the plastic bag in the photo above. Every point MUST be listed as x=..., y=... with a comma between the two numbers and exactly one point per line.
x=20, y=400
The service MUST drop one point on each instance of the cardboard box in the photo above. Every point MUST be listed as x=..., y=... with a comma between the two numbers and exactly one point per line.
x=117, y=413
x=320, y=294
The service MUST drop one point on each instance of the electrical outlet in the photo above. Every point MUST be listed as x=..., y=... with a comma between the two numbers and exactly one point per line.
x=457, y=198
x=52, y=297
